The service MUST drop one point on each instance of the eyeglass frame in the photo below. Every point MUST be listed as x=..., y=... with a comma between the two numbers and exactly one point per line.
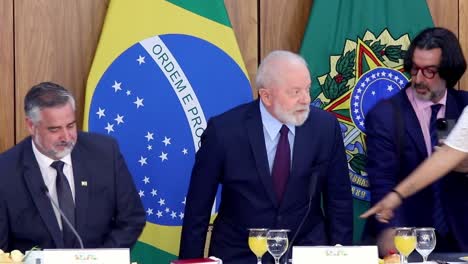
x=424, y=70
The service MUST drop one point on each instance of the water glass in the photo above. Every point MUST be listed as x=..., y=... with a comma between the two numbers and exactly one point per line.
x=425, y=241
x=277, y=242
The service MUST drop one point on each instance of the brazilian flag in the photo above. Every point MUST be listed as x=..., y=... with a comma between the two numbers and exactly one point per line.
x=355, y=51
x=161, y=70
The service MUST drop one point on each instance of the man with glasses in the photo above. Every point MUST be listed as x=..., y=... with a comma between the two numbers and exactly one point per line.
x=401, y=133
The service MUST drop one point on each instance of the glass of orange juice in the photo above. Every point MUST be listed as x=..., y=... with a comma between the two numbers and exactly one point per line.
x=258, y=242
x=405, y=242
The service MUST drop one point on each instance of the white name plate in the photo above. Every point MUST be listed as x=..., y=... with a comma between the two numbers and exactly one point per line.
x=81, y=256
x=335, y=255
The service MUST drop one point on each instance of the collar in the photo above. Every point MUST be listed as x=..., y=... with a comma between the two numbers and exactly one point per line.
x=422, y=104
x=45, y=161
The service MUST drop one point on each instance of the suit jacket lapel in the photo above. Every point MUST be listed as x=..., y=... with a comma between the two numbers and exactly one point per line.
x=81, y=179
x=412, y=126
x=452, y=110
x=36, y=186
x=257, y=141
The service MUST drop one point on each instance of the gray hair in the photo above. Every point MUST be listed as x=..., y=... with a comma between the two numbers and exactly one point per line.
x=45, y=95
x=269, y=72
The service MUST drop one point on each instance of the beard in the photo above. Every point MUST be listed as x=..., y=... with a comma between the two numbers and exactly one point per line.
x=54, y=152
x=429, y=95
x=292, y=117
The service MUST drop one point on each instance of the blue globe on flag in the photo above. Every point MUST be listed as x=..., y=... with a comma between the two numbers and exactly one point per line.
x=155, y=99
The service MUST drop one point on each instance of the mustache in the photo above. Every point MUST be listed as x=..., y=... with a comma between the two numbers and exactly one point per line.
x=65, y=144
x=419, y=85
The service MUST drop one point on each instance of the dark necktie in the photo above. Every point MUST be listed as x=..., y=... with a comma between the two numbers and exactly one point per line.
x=65, y=201
x=438, y=214
x=281, y=164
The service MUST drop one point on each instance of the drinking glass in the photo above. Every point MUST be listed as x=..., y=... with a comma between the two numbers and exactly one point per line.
x=425, y=241
x=277, y=242
x=405, y=242
x=258, y=242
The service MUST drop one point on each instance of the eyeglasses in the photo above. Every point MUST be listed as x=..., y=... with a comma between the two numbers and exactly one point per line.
x=428, y=72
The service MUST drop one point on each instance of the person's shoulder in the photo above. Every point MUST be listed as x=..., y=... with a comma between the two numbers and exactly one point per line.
x=237, y=112
x=94, y=140
x=16, y=151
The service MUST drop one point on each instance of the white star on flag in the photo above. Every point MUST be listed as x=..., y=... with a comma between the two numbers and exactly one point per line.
x=161, y=202
x=149, y=136
x=119, y=119
x=163, y=156
x=185, y=200
x=173, y=214
x=167, y=210
x=389, y=88
x=100, y=112
x=109, y=128
x=181, y=215
x=146, y=180
x=149, y=147
x=129, y=92
x=142, y=161
x=141, y=193
x=185, y=151
x=149, y=211
x=140, y=59
x=159, y=214
x=154, y=192
x=166, y=141
x=139, y=102
x=116, y=86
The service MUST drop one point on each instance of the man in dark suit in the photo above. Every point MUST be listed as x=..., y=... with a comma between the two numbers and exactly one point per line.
x=272, y=157
x=83, y=174
x=401, y=134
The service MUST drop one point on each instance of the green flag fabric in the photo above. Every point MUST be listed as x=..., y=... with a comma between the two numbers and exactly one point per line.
x=161, y=70
x=355, y=51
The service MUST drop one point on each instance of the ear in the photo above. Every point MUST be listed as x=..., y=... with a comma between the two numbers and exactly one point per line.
x=30, y=125
x=265, y=96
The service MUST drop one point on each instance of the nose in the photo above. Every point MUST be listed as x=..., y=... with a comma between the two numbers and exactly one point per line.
x=305, y=98
x=66, y=135
x=418, y=77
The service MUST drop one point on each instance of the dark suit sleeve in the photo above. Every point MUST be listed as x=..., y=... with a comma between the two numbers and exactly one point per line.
x=4, y=225
x=338, y=201
x=382, y=158
x=130, y=216
x=203, y=185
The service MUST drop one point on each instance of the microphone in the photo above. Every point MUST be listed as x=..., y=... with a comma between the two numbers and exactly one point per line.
x=312, y=185
x=64, y=217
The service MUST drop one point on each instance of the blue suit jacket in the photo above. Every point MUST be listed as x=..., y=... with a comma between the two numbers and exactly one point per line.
x=108, y=211
x=386, y=168
x=233, y=154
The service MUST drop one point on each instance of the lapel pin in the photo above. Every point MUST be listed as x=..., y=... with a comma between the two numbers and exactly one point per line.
x=84, y=183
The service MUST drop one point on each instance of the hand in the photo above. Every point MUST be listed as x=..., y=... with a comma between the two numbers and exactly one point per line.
x=462, y=166
x=383, y=210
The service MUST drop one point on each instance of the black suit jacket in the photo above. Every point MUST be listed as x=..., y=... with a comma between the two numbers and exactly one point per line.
x=233, y=154
x=108, y=210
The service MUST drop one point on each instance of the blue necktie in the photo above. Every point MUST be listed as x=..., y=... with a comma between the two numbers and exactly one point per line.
x=65, y=201
x=438, y=214
x=281, y=164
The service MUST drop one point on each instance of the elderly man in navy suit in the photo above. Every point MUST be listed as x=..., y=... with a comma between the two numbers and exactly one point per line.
x=58, y=169
x=275, y=158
